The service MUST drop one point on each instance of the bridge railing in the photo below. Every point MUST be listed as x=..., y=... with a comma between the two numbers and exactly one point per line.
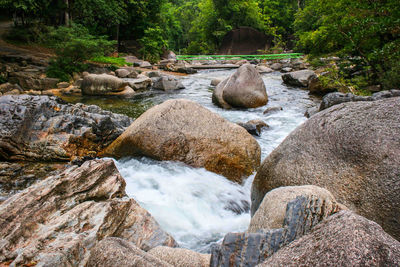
x=239, y=57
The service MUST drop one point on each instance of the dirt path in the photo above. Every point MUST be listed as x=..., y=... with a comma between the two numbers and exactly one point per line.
x=7, y=48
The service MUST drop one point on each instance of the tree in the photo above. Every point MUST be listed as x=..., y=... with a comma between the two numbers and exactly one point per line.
x=358, y=29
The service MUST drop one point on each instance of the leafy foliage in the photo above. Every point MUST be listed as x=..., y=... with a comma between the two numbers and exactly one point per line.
x=74, y=45
x=366, y=30
x=153, y=44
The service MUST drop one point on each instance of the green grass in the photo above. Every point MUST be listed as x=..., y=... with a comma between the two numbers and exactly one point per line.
x=117, y=61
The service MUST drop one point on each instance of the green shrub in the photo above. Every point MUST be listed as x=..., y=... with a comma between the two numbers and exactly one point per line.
x=153, y=44
x=74, y=45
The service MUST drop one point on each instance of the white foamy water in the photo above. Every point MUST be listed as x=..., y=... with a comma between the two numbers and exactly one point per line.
x=195, y=206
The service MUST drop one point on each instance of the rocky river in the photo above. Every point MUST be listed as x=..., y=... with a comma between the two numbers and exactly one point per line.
x=183, y=183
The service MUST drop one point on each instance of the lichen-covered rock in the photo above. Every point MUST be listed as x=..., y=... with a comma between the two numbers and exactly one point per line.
x=352, y=150
x=113, y=251
x=46, y=129
x=180, y=257
x=243, y=89
x=344, y=239
x=55, y=222
x=102, y=84
x=126, y=72
x=183, y=130
x=298, y=78
x=249, y=249
x=271, y=212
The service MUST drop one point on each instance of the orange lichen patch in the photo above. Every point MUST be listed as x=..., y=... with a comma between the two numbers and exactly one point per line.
x=56, y=108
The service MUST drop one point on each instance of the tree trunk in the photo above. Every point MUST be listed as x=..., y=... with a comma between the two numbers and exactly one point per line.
x=67, y=22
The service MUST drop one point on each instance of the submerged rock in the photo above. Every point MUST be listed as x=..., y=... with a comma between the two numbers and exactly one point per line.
x=113, y=251
x=249, y=249
x=243, y=89
x=344, y=239
x=352, y=150
x=298, y=78
x=55, y=222
x=180, y=257
x=43, y=128
x=183, y=130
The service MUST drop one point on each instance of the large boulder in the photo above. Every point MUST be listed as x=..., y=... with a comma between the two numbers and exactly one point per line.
x=272, y=210
x=102, y=84
x=183, y=130
x=344, y=239
x=298, y=78
x=44, y=128
x=55, y=222
x=352, y=150
x=113, y=251
x=180, y=257
x=248, y=249
x=243, y=89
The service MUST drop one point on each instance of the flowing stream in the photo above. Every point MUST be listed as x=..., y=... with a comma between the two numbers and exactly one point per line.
x=195, y=206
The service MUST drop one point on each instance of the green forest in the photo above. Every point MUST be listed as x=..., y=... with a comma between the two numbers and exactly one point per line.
x=364, y=32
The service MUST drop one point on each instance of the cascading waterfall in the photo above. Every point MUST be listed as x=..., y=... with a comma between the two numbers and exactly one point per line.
x=195, y=206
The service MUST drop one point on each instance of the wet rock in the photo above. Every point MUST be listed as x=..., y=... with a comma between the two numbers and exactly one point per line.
x=271, y=212
x=180, y=257
x=44, y=128
x=102, y=84
x=168, y=83
x=298, y=78
x=352, y=150
x=140, y=83
x=254, y=127
x=55, y=222
x=344, y=239
x=169, y=132
x=272, y=110
x=244, y=89
x=248, y=249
